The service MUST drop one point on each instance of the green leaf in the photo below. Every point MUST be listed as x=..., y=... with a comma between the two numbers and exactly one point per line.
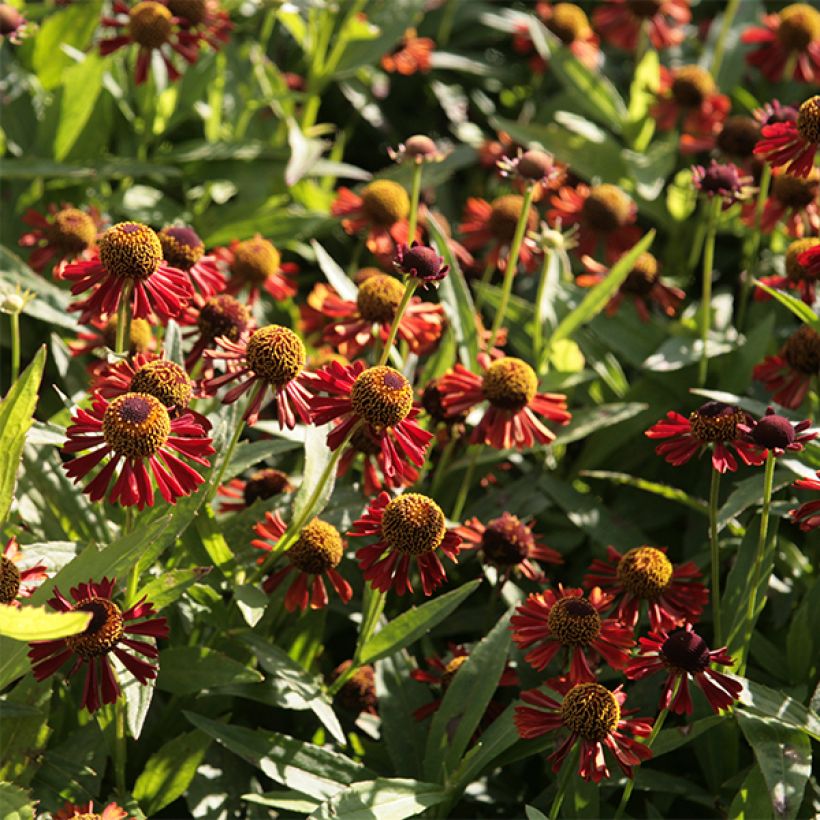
x=784, y=757
x=15, y=803
x=170, y=584
x=411, y=625
x=16, y=412
x=798, y=307
x=36, y=623
x=533, y=814
x=663, y=490
x=82, y=84
x=671, y=739
x=681, y=196
x=187, y=670
x=212, y=538
x=336, y=277
x=317, y=458
x=383, y=798
x=642, y=95
x=772, y=703
x=752, y=799
x=591, y=419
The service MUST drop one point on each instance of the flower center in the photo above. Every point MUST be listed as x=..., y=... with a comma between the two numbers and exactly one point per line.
x=165, y=381
x=423, y=263
x=130, y=250
x=265, y=484
x=255, y=261
x=504, y=216
x=808, y=120
x=381, y=396
x=385, y=202
x=9, y=580
x=86, y=816
x=691, y=86
x=379, y=298
x=802, y=351
x=136, y=425
x=644, y=8
x=72, y=230
x=715, y=421
x=140, y=332
x=536, y=164
x=318, y=548
x=359, y=692
x=794, y=270
x=104, y=631
x=568, y=23
x=738, y=136
x=413, y=524
x=796, y=192
x=799, y=26
x=506, y=541
x=606, y=208
x=223, y=316
x=509, y=384
x=645, y=572
x=10, y=19
x=431, y=402
x=181, y=247
x=420, y=147
x=591, y=711
x=643, y=276
x=364, y=441
x=773, y=431
x=276, y=354
x=150, y=24
x=194, y=11
x=685, y=650
x=574, y=621
x=721, y=179
x=450, y=671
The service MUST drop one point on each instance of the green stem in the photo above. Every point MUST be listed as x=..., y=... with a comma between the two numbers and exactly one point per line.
x=409, y=289
x=537, y=335
x=231, y=447
x=486, y=275
x=714, y=544
x=415, y=196
x=134, y=575
x=512, y=264
x=14, y=318
x=120, y=745
x=563, y=781
x=720, y=46
x=751, y=259
x=706, y=301
x=123, y=341
x=458, y=507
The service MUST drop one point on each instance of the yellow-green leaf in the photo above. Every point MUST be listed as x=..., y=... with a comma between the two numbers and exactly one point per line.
x=31, y=623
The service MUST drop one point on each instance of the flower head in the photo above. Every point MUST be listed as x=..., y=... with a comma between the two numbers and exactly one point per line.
x=776, y=433
x=183, y=249
x=67, y=233
x=793, y=144
x=262, y=485
x=416, y=150
x=788, y=375
x=420, y=262
x=256, y=265
x=807, y=515
x=85, y=811
x=532, y=166
x=358, y=693
x=570, y=24
x=724, y=180
x=411, y=55
x=15, y=582
x=620, y=21
x=203, y=18
x=802, y=270
x=13, y=26
x=793, y=202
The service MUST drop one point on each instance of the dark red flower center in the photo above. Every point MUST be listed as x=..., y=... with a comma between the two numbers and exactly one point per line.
x=130, y=250
x=796, y=192
x=318, y=548
x=773, y=431
x=716, y=421
x=506, y=541
x=802, y=351
x=379, y=297
x=181, y=247
x=591, y=711
x=194, y=11
x=644, y=8
x=150, y=24
x=276, y=354
x=136, y=425
x=164, y=380
x=358, y=694
x=413, y=524
x=721, y=179
x=685, y=650
x=574, y=621
x=739, y=136
x=642, y=277
x=265, y=484
x=9, y=580
x=223, y=316
x=102, y=633
x=382, y=397
x=421, y=262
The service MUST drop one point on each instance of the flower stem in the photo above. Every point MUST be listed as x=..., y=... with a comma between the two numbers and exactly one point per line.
x=537, y=334
x=134, y=575
x=231, y=447
x=751, y=258
x=706, y=301
x=120, y=745
x=123, y=342
x=409, y=289
x=14, y=318
x=415, y=196
x=512, y=264
x=725, y=27
x=563, y=781
x=458, y=507
x=714, y=544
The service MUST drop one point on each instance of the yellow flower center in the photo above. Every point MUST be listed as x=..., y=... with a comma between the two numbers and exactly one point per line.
x=568, y=23
x=591, y=711
x=276, y=354
x=413, y=524
x=194, y=11
x=86, y=816
x=385, y=202
x=130, y=250
x=715, y=421
x=808, y=120
x=381, y=396
x=606, y=208
x=136, y=425
x=504, y=215
x=692, y=85
x=738, y=136
x=802, y=351
x=796, y=192
x=264, y=484
x=181, y=247
x=165, y=381
x=255, y=261
x=450, y=671
x=645, y=572
x=150, y=24
x=794, y=270
x=72, y=230
x=140, y=332
x=643, y=275
x=509, y=384
x=9, y=580
x=318, y=548
x=104, y=631
x=574, y=621
x=799, y=26
x=506, y=541
x=223, y=316
x=379, y=298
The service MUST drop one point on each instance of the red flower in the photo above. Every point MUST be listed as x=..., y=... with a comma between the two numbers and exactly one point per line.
x=204, y=18
x=570, y=24
x=724, y=180
x=317, y=552
x=108, y=632
x=794, y=201
x=262, y=485
x=420, y=262
x=104, y=335
x=183, y=249
x=789, y=374
x=672, y=593
x=776, y=433
x=379, y=398
x=552, y=621
x=807, y=515
x=682, y=653
x=14, y=582
x=594, y=715
x=801, y=272
x=643, y=286
x=273, y=357
x=374, y=464
x=67, y=233
x=83, y=811
x=510, y=387
x=256, y=264
x=212, y=318
x=411, y=527
x=712, y=423
x=132, y=430
x=620, y=22
x=413, y=54
x=509, y=545
x=790, y=37
x=129, y=257
x=794, y=143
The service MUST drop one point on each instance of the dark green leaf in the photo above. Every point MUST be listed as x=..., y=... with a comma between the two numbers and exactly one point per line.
x=186, y=670
x=384, y=798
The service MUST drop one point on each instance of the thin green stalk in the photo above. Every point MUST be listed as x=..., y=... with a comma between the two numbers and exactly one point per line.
x=537, y=335
x=409, y=289
x=458, y=507
x=714, y=545
x=120, y=745
x=712, y=214
x=240, y=426
x=415, y=196
x=720, y=46
x=134, y=575
x=564, y=776
x=123, y=339
x=14, y=318
x=751, y=259
x=512, y=264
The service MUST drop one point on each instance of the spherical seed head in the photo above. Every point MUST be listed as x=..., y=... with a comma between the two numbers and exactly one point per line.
x=692, y=85
x=421, y=148
x=255, y=260
x=264, y=484
x=103, y=632
x=358, y=693
x=534, y=164
x=130, y=250
x=181, y=247
x=509, y=384
x=150, y=24
x=164, y=380
x=504, y=214
x=685, y=650
x=413, y=524
x=223, y=316
x=739, y=136
x=802, y=351
x=591, y=711
x=642, y=277
x=606, y=208
x=194, y=11
x=139, y=330
x=379, y=298
x=644, y=8
x=136, y=425
x=381, y=396
x=808, y=120
x=10, y=19
x=794, y=270
x=318, y=548
x=72, y=230
x=645, y=572
x=385, y=202
x=796, y=192
x=276, y=354
x=716, y=421
x=574, y=621
x=773, y=431
x=9, y=580
x=450, y=671
x=506, y=541
x=568, y=23
x=799, y=26
x=420, y=262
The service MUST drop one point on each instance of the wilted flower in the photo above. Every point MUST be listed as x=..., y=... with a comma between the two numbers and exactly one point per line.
x=724, y=180
x=777, y=434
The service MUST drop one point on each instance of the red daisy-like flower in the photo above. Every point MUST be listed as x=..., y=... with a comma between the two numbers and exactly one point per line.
x=411, y=55
x=210, y=319
x=64, y=234
x=776, y=433
x=594, y=716
x=204, y=18
x=551, y=621
x=272, y=357
x=682, y=654
x=570, y=24
x=85, y=811
x=713, y=423
x=411, y=527
x=109, y=632
x=374, y=472
x=792, y=201
x=128, y=260
x=510, y=387
x=801, y=272
x=509, y=545
x=256, y=265
x=807, y=515
x=788, y=37
x=672, y=592
x=643, y=287
x=724, y=180
x=135, y=432
x=262, y=485
x=15, y=582
x=788, y=375
x=793, y=144
x=316, y=553
x=183, y=249
x=620, y=21
x=104, y=334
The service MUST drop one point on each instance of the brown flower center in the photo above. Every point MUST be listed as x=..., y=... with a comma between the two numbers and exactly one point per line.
x=318, y=548
x=794, y=270
x=591, y=711
x=9, y=580
x=504, y=215
x=72, y=231
x=181, y=247
x=150, y=24
x=130, y=250
x=165, y=381
x=796, y=192
x=802, y=351
x=808, y=120
x=509, y=384
x=223, y=316
x=431, y=402
x=413, y=524
x=255, y=261
x=264, y=484
x=691, y=86
x=645, y=572
x=385, y=202
x=738, y=136
x=685, y=650
x=379, y=298
x=194, y=11
x=642, y=277
x=715, y=421
x=381, y=396
x=574, y=621
x=104, y=631
x=606, y=208
x=358, y=694
x=276, y=354
x=535, y=164
x=136, y=425
x=568, y=23
x=645, y=8
x=799, y=26
x=364, y=441
x=450, y=671
x=506, y=541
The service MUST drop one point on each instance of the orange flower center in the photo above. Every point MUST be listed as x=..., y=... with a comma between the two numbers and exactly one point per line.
x=164, y=380
x=509, y=384
x=181, y=247
x=150, y=24
x=9, y=580
x=255, y=261
x=276, y=354
x=574, y=621
x=382, y=397
x=140, y=332
x=413, y=524
x=692, y=85
x=715, y=421
x=808, y=120
x=318, y=548
x=799, y=26
x=130, y=250
x=794, y=270
x=450, y=671
x=591, y=711
x=104, y=631
x=379, y=298
x=72, y=230
x=385, y=202
x=606, y=208
x=568, y=23
x=136, y=425
x=645, y=572
x=504, y=215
